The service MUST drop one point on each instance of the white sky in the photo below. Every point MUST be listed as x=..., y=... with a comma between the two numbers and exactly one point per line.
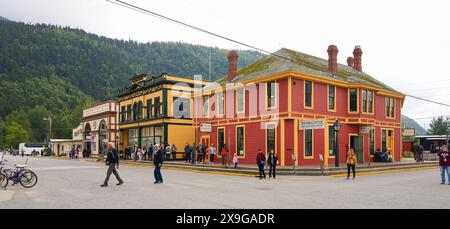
x=406, y=44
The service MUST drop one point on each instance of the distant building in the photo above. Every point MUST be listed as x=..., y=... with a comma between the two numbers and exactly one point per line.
x=156, y=110
x=290, y=107
x=63, y=146
x=100, y=126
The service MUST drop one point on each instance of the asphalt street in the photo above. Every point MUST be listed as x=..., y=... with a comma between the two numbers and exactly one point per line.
x=75, y=184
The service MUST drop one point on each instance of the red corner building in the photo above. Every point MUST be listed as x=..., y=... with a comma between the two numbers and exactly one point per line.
x=289, y=101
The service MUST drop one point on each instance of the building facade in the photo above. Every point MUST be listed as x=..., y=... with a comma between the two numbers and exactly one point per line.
x=157, y=110
x=288, y=102
x=100, y=126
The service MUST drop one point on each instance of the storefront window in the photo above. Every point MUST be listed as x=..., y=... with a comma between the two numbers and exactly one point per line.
x=308, y=143
x=240, y=141
x=270, y=138
x=331, y=140
x=133, y=137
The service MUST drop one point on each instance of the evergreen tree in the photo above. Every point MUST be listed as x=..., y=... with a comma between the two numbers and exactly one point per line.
x=439, y=126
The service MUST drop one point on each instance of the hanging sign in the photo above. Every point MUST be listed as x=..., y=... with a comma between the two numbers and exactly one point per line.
x=312, y=124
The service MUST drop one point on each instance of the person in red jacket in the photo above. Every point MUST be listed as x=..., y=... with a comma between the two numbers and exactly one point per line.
x=444, y=163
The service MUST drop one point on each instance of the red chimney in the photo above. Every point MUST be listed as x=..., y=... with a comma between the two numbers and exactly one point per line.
x=357, y=53
x=350, y=61
x=332, y=58
x=232, y=64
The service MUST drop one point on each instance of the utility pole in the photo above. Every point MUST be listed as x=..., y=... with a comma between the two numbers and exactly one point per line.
x=50, y=127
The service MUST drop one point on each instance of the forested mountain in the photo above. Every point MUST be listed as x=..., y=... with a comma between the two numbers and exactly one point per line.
x=411, y=123
x=48, y=70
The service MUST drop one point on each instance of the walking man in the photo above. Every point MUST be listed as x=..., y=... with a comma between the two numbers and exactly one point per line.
x=444, y=163
x=158, y=161
x=112, y=160
x=272, y=160
x=261, y=161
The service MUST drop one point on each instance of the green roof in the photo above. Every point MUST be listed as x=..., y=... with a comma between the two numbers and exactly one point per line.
x=303, y=63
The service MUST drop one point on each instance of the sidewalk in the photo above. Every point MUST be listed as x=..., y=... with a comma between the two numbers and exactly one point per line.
x=251, y=169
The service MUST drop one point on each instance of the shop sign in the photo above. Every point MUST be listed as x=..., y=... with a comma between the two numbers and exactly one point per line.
x=206, y=127
x=312, y=124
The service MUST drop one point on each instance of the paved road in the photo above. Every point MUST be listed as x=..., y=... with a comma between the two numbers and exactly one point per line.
x=75, y=184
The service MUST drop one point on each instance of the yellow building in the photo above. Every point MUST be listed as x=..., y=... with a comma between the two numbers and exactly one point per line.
x=157, y=110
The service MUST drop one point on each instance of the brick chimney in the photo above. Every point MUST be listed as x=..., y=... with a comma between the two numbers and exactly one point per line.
x=332, y=58
x=232, y=64
x=357, y=53
x=350, y=61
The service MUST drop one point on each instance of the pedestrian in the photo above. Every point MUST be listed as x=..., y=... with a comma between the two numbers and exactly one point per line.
x=199, y=153
x=235, y=160
x=42, y=153
x=187, y=153
x=421, y=153
x=168, y=152
x=203, y=153
x=261, y=161
x=444, y=163
x=224, y=152
x=112, y=161
x=192, y=158
x=71, y=153
x=76, y=153
x=158, y=161
x=133, y=153
x=144, y=153
x=272, y=161
x=351, y=162
x=212, y=153
x=174, y=152
x=140, y=154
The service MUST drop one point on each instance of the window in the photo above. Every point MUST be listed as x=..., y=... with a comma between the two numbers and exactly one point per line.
x=331, y=97
x=390, y=107
x=220, y=103
x=240, y=96
x=129, y=112
x=205, y=106
x=271, y=94
x=308, y=93
x=140, y=108
x=122, y=114
x=331, y=140
x=133, y=137
x=240, y=141
x=181, y=107
x=270, y=138
x=353, y=100
x=220, y=138
x=308, y=143
x=151, y=135
x=367, y=101
x=135, y=111
x=157, y=107
x=149, y=109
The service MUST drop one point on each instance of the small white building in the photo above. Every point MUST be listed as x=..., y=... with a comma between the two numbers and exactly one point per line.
x=100, y=126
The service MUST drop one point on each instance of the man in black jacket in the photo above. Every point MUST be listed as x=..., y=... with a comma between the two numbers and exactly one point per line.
x=158, y=161
x=112, y=160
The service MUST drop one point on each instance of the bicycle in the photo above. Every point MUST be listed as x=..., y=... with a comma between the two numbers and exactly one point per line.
x=17, y=174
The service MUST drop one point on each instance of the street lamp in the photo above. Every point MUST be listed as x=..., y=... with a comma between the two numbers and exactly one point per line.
x=50, y=128
x=337, y=128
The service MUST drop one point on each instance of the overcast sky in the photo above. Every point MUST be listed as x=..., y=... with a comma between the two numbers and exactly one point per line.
x=406, y=44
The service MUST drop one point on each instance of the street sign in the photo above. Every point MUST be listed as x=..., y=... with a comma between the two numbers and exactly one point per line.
x=312, y=124
x=206, y=127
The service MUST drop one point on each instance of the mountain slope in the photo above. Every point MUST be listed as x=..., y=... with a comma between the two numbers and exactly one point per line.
x=411, y=123
x=55, y=71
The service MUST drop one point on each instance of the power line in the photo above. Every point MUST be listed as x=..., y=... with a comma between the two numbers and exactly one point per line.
x=423, y=82
x=160, y=16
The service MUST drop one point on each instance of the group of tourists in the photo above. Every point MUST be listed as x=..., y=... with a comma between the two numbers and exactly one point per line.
x=145, y=153
x=203, y=154
x=271, y=161
x=383, y=156
x=73, y=153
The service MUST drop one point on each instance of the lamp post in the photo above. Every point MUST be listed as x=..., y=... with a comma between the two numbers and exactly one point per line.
x=50, y=127
x=337, y=127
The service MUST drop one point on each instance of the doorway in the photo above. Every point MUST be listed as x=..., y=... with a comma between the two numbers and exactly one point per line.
x=205, y=142
x=356, y=143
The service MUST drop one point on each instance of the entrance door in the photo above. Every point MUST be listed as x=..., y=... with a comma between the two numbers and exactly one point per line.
x=205, y=142
x=356, y=142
